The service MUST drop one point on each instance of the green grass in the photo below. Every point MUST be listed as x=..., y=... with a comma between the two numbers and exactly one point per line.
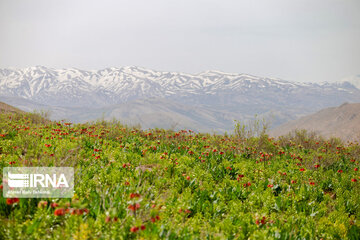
x=134, y=184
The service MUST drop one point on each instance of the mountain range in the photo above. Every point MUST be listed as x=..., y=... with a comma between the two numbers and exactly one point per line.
x=207, y=101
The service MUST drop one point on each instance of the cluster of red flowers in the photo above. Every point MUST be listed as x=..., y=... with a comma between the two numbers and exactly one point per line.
x=54, y=205
x=248, y=184
x=154, y=219
x=109, y=219
x=72, y=211
x=135, y=229
x=134, y=195
x=126, y=165
x=187, y=177
x=188, y=211
x=134, y=207
x=262, y=221
x=59, y=212
x=240, y=176
x=78, y=211
x=11, y=201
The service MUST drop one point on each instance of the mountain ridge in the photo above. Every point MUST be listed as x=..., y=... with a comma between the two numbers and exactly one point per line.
x=342, y=121
x=225, y=94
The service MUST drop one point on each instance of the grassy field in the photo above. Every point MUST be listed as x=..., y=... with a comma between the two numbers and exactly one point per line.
x=158, y=184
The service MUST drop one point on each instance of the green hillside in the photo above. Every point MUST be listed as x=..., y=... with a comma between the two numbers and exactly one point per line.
x=158, y=184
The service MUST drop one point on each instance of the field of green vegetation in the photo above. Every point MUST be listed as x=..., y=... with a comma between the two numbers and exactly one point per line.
x=162, y=184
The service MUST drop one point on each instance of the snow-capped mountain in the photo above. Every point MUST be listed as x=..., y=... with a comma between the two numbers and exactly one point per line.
x=231, y=95
x=354, y=80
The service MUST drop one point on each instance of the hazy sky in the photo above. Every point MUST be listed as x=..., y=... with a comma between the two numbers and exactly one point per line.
x=299, y=40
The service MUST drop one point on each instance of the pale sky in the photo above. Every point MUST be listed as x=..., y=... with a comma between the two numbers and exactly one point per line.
x=296, y=40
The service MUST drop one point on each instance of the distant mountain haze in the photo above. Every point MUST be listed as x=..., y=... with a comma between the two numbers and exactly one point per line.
x=342, y=122
x=207, y=101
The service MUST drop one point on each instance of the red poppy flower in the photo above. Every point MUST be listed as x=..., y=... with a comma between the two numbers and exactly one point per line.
x=134, y=229
x=134, y=195
x=356, y=169
x=59, y=212
x=317, y=166
x=339, y=171
x=302, y=169
x=248, y=184
x=134, y=207
x=11, y=201
x=143, y=227
x=54, y=205
x=270, y=185
x=353, y=180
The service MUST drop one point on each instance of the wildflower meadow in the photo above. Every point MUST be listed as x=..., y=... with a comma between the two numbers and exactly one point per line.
x=165, y=184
